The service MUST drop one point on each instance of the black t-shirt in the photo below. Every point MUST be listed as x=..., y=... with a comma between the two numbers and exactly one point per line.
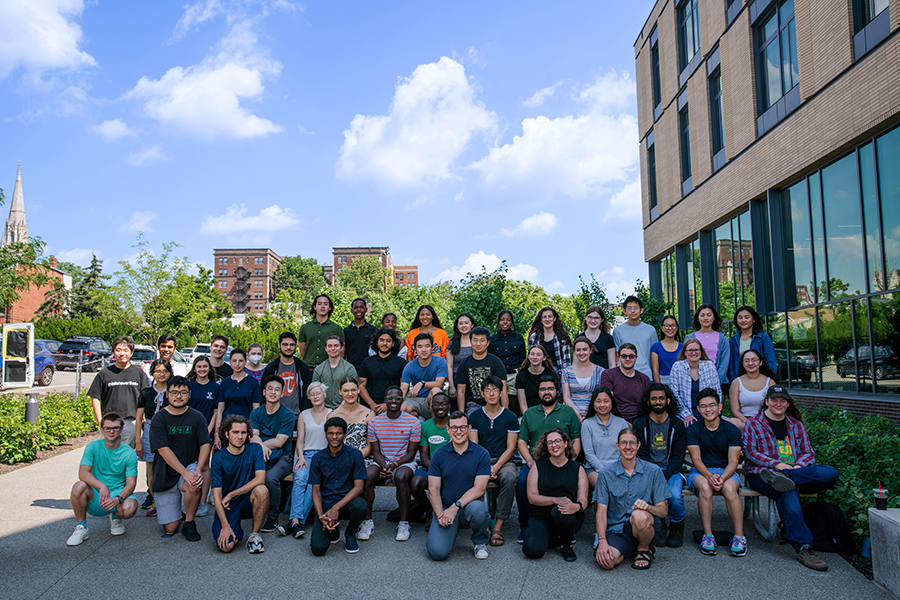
x=473, y=372
x=509, y=348
x=492, y=434
x=119, y=390
x=599, y=354
x=148, y=401
x=550, y=350
x=380, y=374
x=528, y=381
x=357, y=341
x=714, y=445
x=183, y=434
x=779, y=428
x=224, y=371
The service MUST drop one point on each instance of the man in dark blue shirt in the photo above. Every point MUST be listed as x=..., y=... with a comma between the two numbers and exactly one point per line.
x=337, y=475
x=457, y=478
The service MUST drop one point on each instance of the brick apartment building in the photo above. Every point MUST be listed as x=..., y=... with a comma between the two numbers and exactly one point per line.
x=344, y=257
x=245, y=277
x=769, y=155
x=406, y=275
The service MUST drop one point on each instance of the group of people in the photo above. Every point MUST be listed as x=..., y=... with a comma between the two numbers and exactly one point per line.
x=461, y=425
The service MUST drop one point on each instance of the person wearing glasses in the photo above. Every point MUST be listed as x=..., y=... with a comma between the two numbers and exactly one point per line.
x=107, y=476
x=715, y=448
x=636, y=332
x=781, y=464
x=748, y=390
x=664, y=353
x=691, y=373
x=457, y=477
x=626, y=382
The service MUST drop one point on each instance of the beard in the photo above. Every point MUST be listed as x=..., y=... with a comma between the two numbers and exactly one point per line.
x=548, y=401
x=657, y=409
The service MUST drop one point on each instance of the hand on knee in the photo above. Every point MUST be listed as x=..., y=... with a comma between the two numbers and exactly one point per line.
x=641, y=519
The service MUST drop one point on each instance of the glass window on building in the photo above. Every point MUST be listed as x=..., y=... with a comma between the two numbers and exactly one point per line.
x=654, y=65
x=836, y=339
x=798, y=237
x=798, y=367
x=651, y=175
x=693, y=275
x=688, y=31
x=888, y=155
x=864, y=11
x=669, y=285
x=717, y=115
x=734, y=264
x=684, y=125
x=886, y=342
x=777, y=56
x=843, y=228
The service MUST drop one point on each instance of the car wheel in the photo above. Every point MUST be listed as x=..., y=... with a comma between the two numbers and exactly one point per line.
x=841, y=373
x=879, y=372
x=46, y=376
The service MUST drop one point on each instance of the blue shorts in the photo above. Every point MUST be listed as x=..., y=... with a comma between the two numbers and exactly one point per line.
x=240, y=508
x=94, y=508
x=693, y=474
x=421, y=472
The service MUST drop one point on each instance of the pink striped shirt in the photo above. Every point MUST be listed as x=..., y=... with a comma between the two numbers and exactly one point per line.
x=394, y=435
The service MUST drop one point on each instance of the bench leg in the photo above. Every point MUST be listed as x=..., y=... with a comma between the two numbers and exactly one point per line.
x=769, y=533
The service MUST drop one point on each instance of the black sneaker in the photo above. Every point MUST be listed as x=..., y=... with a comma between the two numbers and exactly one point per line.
x=189, y=531
x=568, y=554
x=269, y=526
x=148, y=502
x=297, y=531
x=336, y=535
x=778, y=480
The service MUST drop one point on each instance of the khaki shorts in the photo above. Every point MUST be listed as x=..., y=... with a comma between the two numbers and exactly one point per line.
x=420, y=405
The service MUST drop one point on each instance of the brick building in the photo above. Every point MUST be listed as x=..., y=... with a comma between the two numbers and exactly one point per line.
x=769, y=154
x=406, y=275
x=344, y=256
x=245, y=277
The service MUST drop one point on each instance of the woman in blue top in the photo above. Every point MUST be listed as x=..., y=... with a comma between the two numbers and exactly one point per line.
x=240, y=392
x=664, y=353
x=750, y=336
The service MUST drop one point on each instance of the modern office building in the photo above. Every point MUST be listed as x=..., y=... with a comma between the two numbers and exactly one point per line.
x=770, y=168
x=245, y=277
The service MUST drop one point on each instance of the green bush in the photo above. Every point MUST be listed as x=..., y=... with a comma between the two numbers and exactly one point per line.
x=60, y=418
x=864, y=450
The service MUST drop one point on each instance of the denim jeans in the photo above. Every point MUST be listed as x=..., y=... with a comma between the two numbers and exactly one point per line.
x=301, y=494
x=473, y=515
x=522, y=496
x=676, y=502
x=811, y=479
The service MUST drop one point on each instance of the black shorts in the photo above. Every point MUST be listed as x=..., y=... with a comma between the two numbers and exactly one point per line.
x=240, y=508
x=624, y=542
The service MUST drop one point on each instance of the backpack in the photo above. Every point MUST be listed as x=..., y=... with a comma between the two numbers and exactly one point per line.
x=829, y=528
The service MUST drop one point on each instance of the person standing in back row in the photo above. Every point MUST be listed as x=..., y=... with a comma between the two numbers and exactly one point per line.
x=626, y=383
x=314, y=334
x=358, y=334
x=509, y=346
x=296, y=374
x=218, y=347
x=547, y=330
x=636, y=332
x=118, y=388
x=427, y=321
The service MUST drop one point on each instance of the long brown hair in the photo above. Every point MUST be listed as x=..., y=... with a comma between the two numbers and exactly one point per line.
x=546, y=363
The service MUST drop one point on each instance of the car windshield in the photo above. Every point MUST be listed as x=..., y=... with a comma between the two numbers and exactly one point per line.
x=77, y=345
x=144, y=355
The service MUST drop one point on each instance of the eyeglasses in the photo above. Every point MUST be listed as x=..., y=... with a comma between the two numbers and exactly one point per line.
x=111, y=429
x=628, y=356
x=751, y=361
x=458, y=428
x=593, y=317
x=670, y=326
x=179, y=393
x=546, y=389
x=692, y=351
x=707, y=406
x=633, y=309
x=555, y=442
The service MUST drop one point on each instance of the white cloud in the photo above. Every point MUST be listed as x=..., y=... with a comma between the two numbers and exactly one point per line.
x=557, y=287
x=206, y=10
x=490, y=262
x=147, y=156
x=625, y=205
x=79, y=256
x=536, y=225
x=41, y=35
x=540, y=96
x=577, y=155
x=615, y=282
x=236, y=220
x=204, y=100
x=432, y=117
x=140, y=221
x=195, y=14
x=111, y=130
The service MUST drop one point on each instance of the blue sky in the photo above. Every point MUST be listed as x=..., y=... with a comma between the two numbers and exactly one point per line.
x=459, y=134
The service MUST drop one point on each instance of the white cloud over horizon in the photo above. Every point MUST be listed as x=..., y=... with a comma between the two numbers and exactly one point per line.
x=625, y=205
x=540, y=224
x=141, y=220
x=146, y=156
x=489, y=262
x=237, y=221
x=433, y=115
x=540, y=96
x=78, y=256
x=111, y=130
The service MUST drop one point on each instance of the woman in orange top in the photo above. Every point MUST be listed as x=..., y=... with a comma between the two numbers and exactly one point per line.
x=427, y=321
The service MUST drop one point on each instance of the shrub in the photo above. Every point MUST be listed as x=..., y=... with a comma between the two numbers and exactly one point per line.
x=864, y=450
x=60, y=418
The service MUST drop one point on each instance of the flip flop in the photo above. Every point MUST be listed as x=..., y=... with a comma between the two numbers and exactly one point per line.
x=642, y=555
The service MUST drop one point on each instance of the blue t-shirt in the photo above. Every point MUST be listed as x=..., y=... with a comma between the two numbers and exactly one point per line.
x=230, y=471
x=239, y=397
x=666, y=358
x=413, y=373
x=110, y=466
x=492, y=434
x=458, y=471
x=282, y=421
x=205, y=398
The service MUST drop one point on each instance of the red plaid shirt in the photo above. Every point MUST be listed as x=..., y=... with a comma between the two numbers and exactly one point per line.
x=761, y=449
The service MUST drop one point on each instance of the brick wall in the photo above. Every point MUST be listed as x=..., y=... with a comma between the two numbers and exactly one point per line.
x=26, y=307
x=858, y=406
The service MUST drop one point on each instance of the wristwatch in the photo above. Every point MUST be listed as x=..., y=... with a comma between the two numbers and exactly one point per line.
x=457, y=504
x=120, y=499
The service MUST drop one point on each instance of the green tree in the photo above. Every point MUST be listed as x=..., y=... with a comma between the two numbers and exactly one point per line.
x=654, y=309
x=297, y=273
x=524, y=299
x=363, y=277
x=481, y=296
x=21, y=266
x=404, y=301
x=588, y=295
x=56, y=302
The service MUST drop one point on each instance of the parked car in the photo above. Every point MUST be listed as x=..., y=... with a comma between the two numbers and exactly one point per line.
x=187, y=352
x=144, y=355
x=51, y=345
x=800, y=369
x=886, y=362
x=90, y=350
x=807, y=356
x=44, y=363
x=203, y=348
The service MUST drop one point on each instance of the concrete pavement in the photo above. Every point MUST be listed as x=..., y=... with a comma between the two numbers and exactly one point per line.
x=36, y=519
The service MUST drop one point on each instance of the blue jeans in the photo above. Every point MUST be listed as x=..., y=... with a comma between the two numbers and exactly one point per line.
x=676, y=502
x=811, y=479
x=440, y=540
x=522, y=496
x=301, y=494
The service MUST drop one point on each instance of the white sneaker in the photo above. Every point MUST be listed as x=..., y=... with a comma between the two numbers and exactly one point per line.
x=366, y=530
x=79, y=535
x=116, y=526
x=202, y=510
x=481, y=551
x=403, y=531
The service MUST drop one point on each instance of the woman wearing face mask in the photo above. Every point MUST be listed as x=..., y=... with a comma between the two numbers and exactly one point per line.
x=255, y=366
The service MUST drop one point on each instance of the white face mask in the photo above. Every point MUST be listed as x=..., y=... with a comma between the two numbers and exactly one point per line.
x=254, y=358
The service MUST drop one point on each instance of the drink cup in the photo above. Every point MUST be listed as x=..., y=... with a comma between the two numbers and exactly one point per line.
x=881, y=497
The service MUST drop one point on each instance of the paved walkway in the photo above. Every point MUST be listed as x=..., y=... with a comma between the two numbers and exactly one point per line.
x=35, y=520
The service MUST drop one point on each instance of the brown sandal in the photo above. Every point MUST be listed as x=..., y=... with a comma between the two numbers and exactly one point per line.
x=497, y=538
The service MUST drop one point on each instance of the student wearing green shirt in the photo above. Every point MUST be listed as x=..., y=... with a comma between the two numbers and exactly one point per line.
x=434, y=435
x=314, y=334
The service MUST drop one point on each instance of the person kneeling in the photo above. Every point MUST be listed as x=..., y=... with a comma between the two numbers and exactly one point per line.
x=557, y=491
x=238, y=481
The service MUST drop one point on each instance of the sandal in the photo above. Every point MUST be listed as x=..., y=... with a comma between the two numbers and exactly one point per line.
x=497, y=538
x=643, y=556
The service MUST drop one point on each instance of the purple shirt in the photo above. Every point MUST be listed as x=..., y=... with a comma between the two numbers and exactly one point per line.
x=626, y=390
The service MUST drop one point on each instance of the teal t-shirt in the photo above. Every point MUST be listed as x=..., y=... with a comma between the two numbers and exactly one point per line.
x=433, y=436
x=282, y=422
x=111, y=466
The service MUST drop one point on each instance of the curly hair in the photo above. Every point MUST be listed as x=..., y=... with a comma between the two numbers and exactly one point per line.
x=541, y=451
x=764, y=368
x=230, y=420
x=558, y=328
x=395, y=341
x=671, y=407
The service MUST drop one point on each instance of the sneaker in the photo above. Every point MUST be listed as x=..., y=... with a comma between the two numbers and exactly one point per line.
x=202, y=510
x=366, y=530
x=805, y=555
x=255, y=544
x=738, y=546
x=521, y=538
x=148, y=502
x=336, y=535
x=269, y=526
x=294, y=529
x=778, y=480
x=708, y=544
x=350, y=544
x=568, y=554
x=79, y=535
x=676, y=535
x=116, y=526
x=189, y=531
x=481, y=551
x=403, y=531
x=151, y=512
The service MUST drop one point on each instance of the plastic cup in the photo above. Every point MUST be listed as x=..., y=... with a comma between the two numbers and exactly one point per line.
x=881, y=497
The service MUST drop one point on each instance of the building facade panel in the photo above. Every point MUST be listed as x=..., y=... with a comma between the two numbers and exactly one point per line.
x=245, y=276
x=743, y=84
x=831, y=24
x=644, y=91
x=805, y=53
x=701, y=145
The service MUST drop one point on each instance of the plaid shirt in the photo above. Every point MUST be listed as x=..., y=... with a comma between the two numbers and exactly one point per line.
x=563, y=353
x=761, y=449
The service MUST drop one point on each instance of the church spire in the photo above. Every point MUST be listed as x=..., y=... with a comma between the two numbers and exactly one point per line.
x=16, y=227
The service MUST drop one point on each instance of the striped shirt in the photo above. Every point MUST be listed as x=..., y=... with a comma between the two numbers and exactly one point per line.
x=394, y=435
